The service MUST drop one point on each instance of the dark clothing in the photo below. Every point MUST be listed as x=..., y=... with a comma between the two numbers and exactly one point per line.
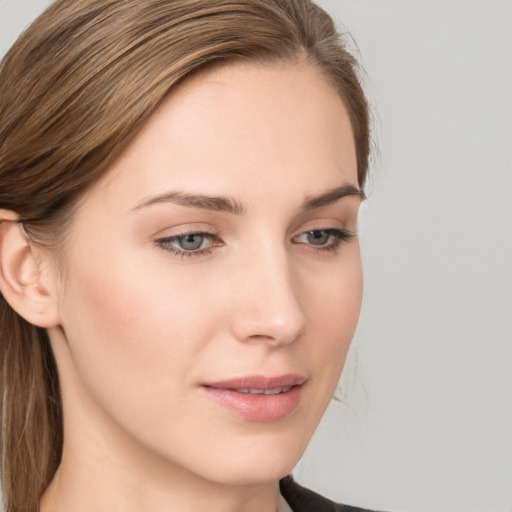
x=301, y=499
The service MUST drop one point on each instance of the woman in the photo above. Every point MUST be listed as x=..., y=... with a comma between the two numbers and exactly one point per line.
x=179, y=264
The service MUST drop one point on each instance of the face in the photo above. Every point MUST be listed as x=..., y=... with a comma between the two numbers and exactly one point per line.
x=213, y=278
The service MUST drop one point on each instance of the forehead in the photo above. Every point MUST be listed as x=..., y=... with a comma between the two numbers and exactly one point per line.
x=242, y=128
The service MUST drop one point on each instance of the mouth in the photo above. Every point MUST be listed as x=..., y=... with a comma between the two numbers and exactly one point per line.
x=273, y=391
x=256, y=398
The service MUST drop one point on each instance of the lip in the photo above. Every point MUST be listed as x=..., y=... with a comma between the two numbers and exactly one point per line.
x=266, y=405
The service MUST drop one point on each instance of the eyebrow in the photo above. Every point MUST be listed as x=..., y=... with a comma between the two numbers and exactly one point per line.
x=205, y=202
x=232, y=206
x=333, y=195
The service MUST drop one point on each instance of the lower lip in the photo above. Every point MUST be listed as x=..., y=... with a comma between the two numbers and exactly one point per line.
x=257, y=407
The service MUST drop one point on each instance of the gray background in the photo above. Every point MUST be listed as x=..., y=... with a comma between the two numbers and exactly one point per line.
x=425, y=418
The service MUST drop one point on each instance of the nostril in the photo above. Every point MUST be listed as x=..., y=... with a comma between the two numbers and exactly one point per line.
x=267, y=307
x=265, y=328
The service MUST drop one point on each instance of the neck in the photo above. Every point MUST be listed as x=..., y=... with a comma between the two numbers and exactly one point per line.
x=103, y=468
x=104, y=471
x=73, y=490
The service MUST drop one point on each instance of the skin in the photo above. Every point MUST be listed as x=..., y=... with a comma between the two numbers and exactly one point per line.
x=140, y=328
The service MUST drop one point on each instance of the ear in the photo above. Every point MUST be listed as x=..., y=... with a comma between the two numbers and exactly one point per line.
x=24, y=280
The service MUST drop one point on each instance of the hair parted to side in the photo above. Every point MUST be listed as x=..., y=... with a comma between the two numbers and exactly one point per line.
x=75, y=89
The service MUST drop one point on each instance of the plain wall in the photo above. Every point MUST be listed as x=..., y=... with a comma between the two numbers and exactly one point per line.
x=425, y=421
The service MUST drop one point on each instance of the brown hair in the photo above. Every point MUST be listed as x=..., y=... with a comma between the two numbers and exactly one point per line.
x=74, y=90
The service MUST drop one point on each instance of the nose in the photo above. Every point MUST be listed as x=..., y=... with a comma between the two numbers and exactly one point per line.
x=267, y=307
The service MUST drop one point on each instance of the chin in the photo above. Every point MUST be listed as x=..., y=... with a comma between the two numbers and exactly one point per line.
x=255, y=461
x=242, y=473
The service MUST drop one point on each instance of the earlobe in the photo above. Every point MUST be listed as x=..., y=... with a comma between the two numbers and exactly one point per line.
x=21, y=281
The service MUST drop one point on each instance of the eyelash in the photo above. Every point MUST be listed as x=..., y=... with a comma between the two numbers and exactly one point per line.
x=337, y=237
x=165, y=243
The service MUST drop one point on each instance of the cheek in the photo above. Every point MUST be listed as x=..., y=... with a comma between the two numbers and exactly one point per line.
x=134, y=331
x=334, y=299
x=333, y=311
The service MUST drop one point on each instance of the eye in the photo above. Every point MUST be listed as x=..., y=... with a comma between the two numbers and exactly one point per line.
x=189, y=244
x=324, y=239
x=317, y=237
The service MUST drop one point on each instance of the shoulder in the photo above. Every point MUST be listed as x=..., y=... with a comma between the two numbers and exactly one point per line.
x=301, y=499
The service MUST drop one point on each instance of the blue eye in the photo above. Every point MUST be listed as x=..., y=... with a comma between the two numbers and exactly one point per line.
x=318, y=237
x=191, y=242
x=324, y=239
x=187, y=244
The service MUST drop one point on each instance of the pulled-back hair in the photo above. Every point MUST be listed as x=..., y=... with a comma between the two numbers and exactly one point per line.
x=75, y=89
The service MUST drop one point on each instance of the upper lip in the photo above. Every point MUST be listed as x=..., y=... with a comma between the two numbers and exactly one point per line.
x=259, y=382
